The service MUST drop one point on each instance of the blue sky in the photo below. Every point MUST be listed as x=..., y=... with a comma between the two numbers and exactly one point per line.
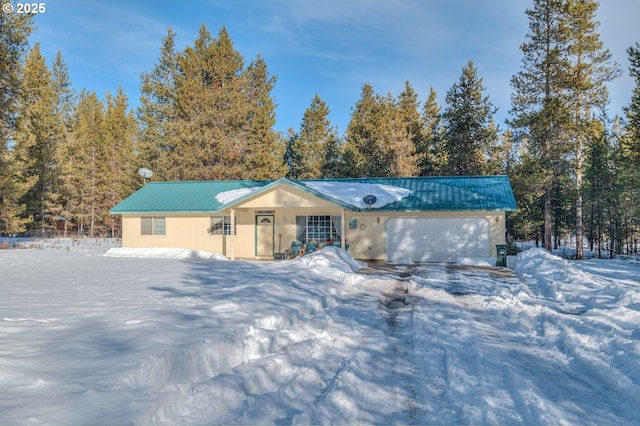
x=328, y=47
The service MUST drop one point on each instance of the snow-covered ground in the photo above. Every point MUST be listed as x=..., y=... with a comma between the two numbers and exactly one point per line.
x=180, y=337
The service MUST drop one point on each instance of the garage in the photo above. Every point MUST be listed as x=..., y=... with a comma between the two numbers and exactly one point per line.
x=418, y=239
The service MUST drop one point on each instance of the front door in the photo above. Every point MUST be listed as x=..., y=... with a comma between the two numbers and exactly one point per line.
x=264, y=235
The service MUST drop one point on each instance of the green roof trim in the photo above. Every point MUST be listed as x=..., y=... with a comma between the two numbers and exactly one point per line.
x=454, y=193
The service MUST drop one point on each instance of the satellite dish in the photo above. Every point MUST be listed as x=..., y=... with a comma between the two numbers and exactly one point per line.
x=145, y=173
x=369, y=200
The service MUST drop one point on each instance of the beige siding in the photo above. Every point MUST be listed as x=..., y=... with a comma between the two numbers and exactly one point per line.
x=291, y=197
x=368, y=240
x=189, y=231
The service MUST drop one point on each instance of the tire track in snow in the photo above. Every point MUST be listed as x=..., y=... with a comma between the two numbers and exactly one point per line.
x=381, y=363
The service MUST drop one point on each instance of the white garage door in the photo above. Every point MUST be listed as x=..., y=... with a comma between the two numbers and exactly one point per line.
x=412, y=239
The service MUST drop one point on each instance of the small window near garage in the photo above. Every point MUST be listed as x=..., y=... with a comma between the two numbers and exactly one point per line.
x=221, y=225
x=155, y=225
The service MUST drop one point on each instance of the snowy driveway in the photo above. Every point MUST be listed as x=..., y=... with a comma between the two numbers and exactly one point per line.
x=88, y=339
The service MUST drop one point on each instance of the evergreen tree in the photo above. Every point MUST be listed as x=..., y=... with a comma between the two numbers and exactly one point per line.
x=632, y=112
x=359, y=148
x=14, y=34
x=591, y=67
x=430, y=150
x=205, y=115
x=310, y=151
x=87, y=165
x=629, y=157
x=120, y=129
x=157, y=114
x=263, y=158
x=408, y=107
x=527, y=222
x=600, y=191
x=377, y=142
x=538, y=103
x=37, y=137
x=65, y=96
x=212, y=109
x=470, y=132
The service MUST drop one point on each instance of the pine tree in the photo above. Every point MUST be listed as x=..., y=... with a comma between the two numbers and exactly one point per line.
x=88, y=165
x=470, y=132
x=377, y=141
x=408, y=106
x=600, y=191
x=120, y=129
x=538, y=103
x=430, y=150
x=65, y=96
x=14, y=34
x=629, y=162
x=591, y=67
x=359, y=148
x=263, y=158
x=157, y=114
x=213, y=110
x=207, y=116
x=37, y=137
x=311, y=149
x=632, y=111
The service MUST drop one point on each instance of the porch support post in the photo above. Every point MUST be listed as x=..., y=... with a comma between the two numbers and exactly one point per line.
x=342, y=236
x=232, y=252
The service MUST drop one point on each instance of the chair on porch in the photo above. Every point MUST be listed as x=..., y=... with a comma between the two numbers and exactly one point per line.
x=311, y=246
x=296, y=249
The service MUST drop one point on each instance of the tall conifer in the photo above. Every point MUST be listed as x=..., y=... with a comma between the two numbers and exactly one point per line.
x=430, y=150
x=311, y=149
x=470, y=132
x=37, y=137
x=591, y=67
x=265, y=147
x=157, y=114
x=120, y=129
x=538, y=101
x=377, y=141
x=88, y=162
x=14, y=32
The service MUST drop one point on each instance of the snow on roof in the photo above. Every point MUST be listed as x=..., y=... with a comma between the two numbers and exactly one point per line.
x=353, y=193
x=234, y=194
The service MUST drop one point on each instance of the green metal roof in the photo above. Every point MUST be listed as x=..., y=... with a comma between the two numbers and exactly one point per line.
x=446, y=193
x=464, y=193
x=180, y=197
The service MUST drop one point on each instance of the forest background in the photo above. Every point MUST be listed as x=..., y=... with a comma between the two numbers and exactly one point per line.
x=68, y=156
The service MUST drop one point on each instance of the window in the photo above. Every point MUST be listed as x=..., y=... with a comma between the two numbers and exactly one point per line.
x=153, y=225
x=221, y=225
x=318, y=228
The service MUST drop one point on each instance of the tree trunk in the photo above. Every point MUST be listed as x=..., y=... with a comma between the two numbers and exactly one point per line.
x=548, y=225
x=579, y=228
